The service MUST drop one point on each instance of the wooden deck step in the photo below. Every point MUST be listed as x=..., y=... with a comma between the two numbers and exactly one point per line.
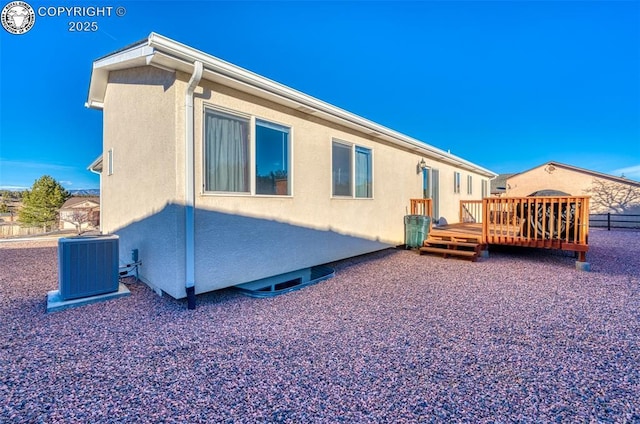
x=452, y=246
x=431, y=241
x=446, y=252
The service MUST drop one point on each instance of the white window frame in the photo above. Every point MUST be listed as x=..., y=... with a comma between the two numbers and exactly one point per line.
x=352, y=147
x=456, y=182
x=251, y=163
x=469, y=184
x=254, y=158
x=485, y=188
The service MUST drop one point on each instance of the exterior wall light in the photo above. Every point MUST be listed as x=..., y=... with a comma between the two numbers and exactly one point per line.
x=421, y=166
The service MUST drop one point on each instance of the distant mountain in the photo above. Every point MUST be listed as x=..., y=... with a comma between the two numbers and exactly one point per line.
x=88, y=192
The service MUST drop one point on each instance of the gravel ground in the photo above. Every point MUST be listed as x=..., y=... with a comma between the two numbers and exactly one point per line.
x=394, y=337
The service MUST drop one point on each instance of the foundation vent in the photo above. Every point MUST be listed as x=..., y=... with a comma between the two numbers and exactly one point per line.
x=285, y=283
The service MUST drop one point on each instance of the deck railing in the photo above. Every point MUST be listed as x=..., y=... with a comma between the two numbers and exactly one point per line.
x=470, y=211
x=560, y=222
x=422, y=207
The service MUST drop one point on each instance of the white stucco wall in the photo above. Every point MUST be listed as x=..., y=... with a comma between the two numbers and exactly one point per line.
x=546, y=178
x=240, y=238
x=139, y=197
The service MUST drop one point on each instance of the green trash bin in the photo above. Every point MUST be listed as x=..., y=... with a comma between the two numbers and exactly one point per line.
x=416, y=230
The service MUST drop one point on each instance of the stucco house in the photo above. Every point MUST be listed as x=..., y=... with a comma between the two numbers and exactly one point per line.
x=608, y=193
x=219, y=176
x=80, y=213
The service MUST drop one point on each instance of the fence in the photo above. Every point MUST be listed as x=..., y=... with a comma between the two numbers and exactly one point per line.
x=16, y=230
x=614, y=220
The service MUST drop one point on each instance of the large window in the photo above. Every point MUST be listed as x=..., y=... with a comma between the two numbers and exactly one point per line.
x=228, y=159
x=272, y=159
x=341, y=158
x=352, y=171
x=226, y=146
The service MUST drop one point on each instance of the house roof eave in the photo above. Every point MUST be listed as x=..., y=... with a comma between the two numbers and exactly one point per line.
x=165, y=53
x=264, y=87
x=583, y=171
x=96, y=165
x=129, y=57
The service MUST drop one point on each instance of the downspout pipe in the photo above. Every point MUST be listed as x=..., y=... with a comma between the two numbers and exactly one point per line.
x=190, y=197
x=99, y=173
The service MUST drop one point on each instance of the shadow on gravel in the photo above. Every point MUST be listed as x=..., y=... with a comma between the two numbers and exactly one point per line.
x=532, y=254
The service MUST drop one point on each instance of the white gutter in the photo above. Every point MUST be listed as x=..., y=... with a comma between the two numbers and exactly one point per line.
x=189, y=162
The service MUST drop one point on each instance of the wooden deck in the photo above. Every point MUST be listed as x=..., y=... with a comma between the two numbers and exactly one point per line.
x=463, y=232
x=557, y=222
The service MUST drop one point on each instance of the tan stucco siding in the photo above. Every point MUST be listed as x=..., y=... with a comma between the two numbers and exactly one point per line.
x=571, y=181
x=259, y=236
x=140, y=129
x=395, y=178
x=545, y=178
x=139, y=126
x=240, y=238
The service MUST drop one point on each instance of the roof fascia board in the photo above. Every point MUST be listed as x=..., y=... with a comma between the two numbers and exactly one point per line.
x=583, y=171
x=594, y=173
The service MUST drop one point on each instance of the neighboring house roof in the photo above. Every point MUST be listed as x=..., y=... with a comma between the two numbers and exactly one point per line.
x=76, y=202
x=584, y=171
x=167, y=54
x=499, y=183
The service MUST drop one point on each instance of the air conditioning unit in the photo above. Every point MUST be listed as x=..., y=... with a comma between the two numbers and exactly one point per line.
x=87, y=266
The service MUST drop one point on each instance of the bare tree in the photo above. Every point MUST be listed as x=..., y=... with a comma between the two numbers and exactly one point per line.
x=614, y=196
x=78, y=217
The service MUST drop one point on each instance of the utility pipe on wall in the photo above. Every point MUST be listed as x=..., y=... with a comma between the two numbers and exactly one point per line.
x=189, y=227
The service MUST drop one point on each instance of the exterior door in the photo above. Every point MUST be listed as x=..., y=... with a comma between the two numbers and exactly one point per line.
x=435, y=193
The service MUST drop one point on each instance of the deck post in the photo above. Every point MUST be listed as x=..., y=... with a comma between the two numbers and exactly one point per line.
x=583, y=266
x=581, y=263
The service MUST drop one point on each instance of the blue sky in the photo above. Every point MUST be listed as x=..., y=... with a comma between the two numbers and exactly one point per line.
x=508, y=85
